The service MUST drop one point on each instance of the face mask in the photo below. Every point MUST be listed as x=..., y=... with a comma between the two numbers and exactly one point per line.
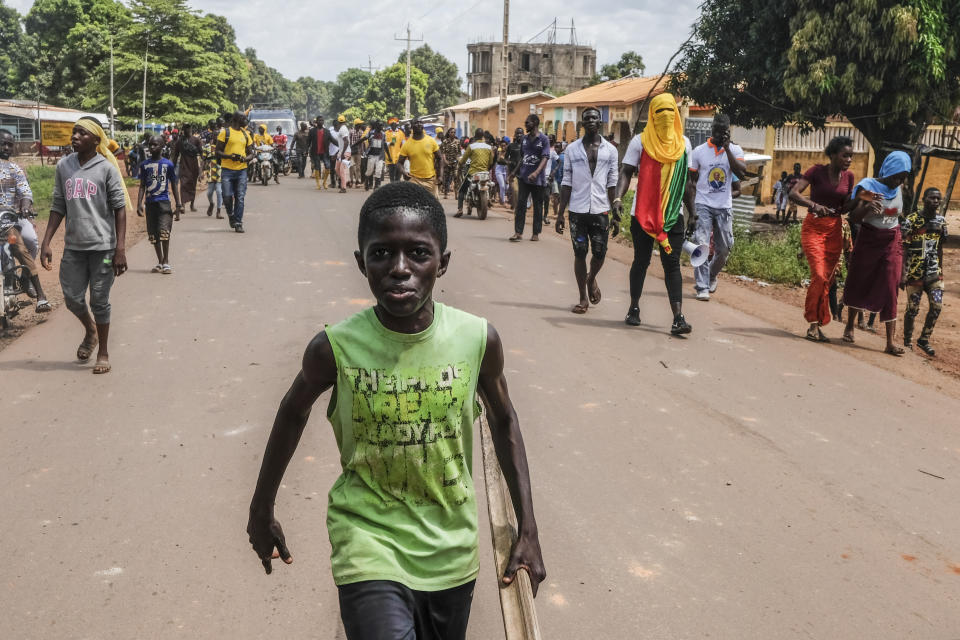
x=663, y=123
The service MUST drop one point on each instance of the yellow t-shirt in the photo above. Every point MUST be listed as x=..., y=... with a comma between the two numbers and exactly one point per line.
x=420, y=153
x=237, y=144
x=262, y=138
x=394, y=141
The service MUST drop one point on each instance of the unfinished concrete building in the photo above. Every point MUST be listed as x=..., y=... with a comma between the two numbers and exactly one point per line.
x=533, y=66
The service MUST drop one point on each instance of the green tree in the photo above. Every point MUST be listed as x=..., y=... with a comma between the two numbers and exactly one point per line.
x=350, y=86
x=443, y=82
x=267, y=85
x=223, y=42
x=317, y=95
x=67, y=42
x=11, y=49
x=388, y=86
x=630, y=63
x=187, y=78
x=891, y=66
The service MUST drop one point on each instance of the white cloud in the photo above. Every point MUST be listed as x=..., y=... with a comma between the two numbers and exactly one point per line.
x=322, y=39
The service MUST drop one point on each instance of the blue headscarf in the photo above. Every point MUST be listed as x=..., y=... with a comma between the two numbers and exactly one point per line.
x=896, y=162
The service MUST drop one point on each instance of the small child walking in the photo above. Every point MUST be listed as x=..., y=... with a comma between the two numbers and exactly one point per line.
x=156, y=176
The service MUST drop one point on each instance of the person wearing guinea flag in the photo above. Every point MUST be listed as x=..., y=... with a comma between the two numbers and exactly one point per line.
x=660, y=158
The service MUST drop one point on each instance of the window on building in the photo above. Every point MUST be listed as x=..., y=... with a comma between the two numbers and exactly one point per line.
x=485, y=61
x=509, y=56
x=525, y=62
x=524, y=88
x=586, y=65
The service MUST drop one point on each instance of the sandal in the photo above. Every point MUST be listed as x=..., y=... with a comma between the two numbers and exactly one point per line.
x=894, y=350
x=85, y=350
x=157, y=269
x=43, y=306
x=579, y=309
x=102, y=366
x=167, y=269
x=595, y=299
x=847, y=337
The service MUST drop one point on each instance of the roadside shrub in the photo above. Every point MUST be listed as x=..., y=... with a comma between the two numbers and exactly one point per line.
x=771, y=257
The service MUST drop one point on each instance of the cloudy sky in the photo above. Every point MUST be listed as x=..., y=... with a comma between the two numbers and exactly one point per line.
x=287, y=33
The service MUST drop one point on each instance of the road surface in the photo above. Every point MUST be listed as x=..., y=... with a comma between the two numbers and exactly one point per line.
x=737, y=484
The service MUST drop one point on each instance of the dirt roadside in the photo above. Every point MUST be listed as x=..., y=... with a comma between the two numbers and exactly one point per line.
x=136, y=231
x=782, y=306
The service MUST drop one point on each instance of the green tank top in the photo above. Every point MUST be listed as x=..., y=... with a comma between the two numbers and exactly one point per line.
x=402, y=411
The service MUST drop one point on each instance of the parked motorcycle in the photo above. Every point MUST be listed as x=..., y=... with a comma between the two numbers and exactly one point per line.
x=478, y=194
x=15, y=278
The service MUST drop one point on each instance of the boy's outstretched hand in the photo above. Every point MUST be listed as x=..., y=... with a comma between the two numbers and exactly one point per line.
x=526, y=555
x=267, y=539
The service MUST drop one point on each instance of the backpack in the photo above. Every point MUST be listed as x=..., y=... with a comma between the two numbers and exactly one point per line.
x=226, y=136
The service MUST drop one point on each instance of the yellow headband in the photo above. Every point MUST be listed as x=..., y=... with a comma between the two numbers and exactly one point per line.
x=104, y=149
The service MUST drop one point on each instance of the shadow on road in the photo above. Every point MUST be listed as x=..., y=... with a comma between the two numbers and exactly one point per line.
x=39, y=365
x=756, y=332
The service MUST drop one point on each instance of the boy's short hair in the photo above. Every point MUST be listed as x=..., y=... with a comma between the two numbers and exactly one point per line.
x=401, y=196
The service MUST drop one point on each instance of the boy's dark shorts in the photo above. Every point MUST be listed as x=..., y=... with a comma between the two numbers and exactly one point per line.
x=159, y=221
x=387, y=609
x=589, y=231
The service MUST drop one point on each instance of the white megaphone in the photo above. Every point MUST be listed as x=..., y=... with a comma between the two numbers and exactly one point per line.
x=698, y=252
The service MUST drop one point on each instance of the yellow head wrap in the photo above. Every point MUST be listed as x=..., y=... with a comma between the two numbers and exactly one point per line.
x=104, y=150
x=663, y=136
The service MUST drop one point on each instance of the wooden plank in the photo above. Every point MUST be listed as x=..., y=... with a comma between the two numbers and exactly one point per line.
x=516, y=599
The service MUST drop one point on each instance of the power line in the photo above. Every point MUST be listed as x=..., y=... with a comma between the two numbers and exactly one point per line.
x=406, y=105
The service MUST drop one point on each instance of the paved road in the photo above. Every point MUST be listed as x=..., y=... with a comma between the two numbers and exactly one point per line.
x=737, y=484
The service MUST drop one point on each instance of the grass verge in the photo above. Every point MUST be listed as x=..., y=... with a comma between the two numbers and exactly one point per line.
x=41, y=179
x=771, y=257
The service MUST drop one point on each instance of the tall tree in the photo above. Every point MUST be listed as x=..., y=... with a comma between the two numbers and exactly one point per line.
x=350, y=86
x=891, y=66
x=186, y=78
x=68, y=40
x=443, y=82
x=11, y=48
x=388, y=86
x=317, y=95
x=630, y=63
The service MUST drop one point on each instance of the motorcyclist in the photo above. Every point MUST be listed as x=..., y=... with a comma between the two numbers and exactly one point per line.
x=15, y=193
x=263, y=138
x=479, y=155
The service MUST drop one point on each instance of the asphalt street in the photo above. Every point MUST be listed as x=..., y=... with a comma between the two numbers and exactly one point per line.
x=735, y=484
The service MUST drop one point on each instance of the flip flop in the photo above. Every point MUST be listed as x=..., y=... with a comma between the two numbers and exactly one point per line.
x=595, y=299
x=102, y=366
x=579, y=309
x=847, y=337
x=894, y=351
x=85, y=350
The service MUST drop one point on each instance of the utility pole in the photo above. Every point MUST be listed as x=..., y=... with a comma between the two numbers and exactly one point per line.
x=406, y=107
x=370, y=68
x=143, y=112
x=112, y=110
x=504, y=70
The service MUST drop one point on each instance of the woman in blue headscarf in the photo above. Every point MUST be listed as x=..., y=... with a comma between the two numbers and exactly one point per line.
x=876, y=261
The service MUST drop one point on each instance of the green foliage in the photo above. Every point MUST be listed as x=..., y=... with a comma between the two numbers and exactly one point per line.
x=11, y=48
x=630, y=62
x=351, y=85
x=627, y=203
x=41, y=183
x=389, y=87
x=443, y=83
x=771, y=257
x=891, y=66
x=317, y=96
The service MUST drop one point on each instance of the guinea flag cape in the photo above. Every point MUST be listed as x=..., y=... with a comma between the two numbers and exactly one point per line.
x=662, y=174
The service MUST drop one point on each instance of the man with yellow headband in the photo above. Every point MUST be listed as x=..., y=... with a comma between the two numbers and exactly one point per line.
x=660, y=158
x=394, y=138
x=89, y=194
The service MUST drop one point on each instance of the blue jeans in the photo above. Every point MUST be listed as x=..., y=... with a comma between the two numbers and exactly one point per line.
x=500, y=172
x=214, y=187
x=234, y=186
x=719, y=223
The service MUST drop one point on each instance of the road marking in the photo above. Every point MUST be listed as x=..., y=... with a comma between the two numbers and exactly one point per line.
x=112, y=571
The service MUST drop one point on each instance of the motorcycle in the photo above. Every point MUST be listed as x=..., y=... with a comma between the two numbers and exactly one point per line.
x=478, y=194
x=283, y=162
x=264, y=167
x=15, y=278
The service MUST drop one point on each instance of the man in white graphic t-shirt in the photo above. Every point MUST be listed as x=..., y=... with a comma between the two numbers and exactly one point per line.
x=715, y=163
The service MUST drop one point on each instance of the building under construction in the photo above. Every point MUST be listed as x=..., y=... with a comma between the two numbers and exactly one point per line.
x=541, y=64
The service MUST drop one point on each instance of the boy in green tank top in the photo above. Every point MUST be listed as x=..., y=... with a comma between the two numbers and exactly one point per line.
x=402, y=517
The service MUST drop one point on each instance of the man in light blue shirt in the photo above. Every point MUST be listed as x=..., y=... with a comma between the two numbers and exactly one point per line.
x=588, y=189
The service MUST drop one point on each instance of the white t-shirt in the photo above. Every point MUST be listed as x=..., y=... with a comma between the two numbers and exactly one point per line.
x=334, y=147
x=344, y=135
x=889, y=216
x=547, y=170
x=713, y=175
x=635, y=148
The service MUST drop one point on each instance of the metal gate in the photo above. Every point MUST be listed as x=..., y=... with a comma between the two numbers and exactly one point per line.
x=698, y=130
